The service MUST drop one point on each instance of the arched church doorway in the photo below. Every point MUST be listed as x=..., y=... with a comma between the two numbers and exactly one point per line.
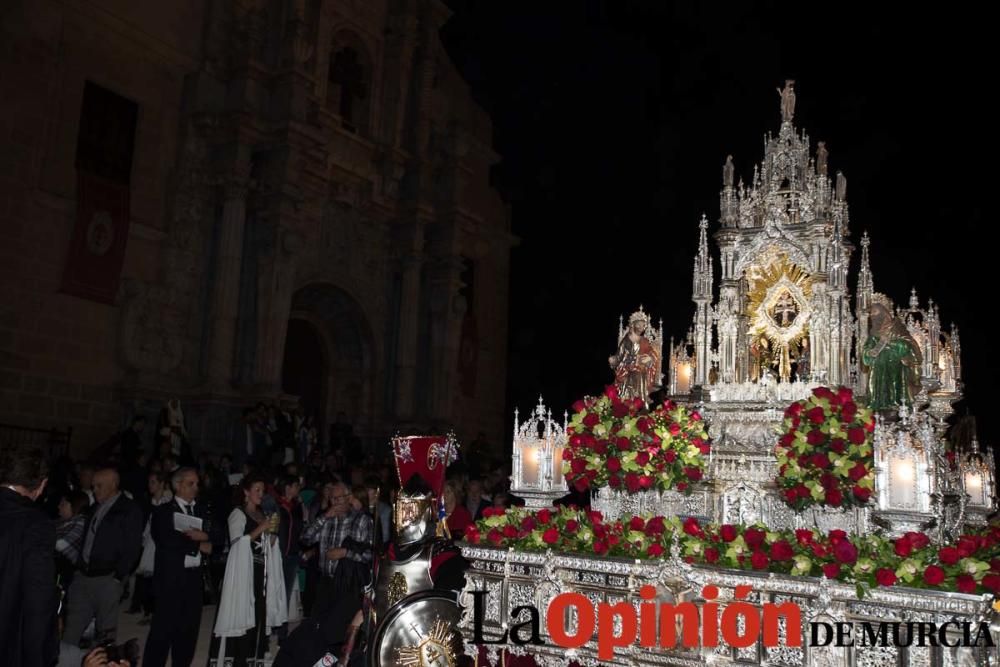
x=329, y=360
x=303, y=373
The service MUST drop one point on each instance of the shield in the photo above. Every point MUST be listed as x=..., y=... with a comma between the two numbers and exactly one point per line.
x=421, y=631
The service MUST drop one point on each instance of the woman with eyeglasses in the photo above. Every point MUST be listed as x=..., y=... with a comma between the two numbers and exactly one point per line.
x=253, y=593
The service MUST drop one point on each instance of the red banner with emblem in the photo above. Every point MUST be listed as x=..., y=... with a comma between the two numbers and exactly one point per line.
x=97, y=249
x=104, y=147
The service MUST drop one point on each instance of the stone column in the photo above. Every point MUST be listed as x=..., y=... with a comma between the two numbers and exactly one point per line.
x=406, y=344
x=446, y=319
x=224, y=298
x=274, y=301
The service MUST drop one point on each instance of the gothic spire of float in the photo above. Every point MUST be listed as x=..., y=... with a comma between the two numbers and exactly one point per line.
x=789, y=209
x=789, y=186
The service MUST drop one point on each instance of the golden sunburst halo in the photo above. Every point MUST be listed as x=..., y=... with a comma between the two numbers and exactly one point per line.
x=778, y=285
x=434, y=649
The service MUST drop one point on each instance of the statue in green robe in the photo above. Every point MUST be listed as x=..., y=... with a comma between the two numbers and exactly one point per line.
x=893, y=359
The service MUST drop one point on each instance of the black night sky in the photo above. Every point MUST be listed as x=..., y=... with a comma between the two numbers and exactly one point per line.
x=614, y=119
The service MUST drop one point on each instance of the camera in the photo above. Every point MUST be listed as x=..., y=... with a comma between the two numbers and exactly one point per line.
x=118, y=652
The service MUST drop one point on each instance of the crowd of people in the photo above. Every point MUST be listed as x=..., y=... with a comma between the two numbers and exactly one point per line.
x=275, y=530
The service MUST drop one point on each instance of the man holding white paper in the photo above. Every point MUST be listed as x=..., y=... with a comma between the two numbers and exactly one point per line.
x=181, y=541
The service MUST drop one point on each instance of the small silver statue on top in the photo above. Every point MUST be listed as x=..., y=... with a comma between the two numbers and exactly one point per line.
x=787, y=100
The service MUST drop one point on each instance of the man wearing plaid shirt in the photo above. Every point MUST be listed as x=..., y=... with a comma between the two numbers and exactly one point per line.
x=343, y=535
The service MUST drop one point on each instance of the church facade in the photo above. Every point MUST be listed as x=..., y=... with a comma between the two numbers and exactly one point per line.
x=227, y=202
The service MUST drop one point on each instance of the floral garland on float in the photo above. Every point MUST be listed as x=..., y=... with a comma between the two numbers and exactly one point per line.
x=825, y=455
x=622, y=445
x=971, y=565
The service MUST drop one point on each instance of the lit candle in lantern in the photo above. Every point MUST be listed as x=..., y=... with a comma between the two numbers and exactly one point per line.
x=684, y=379
x=557, y=466
x=974, y=487
x=902, y=489
x=530, y=466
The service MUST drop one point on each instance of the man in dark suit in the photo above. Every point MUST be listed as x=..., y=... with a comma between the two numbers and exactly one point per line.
x=28, y=600
x=177, y=583
x=111, y=547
